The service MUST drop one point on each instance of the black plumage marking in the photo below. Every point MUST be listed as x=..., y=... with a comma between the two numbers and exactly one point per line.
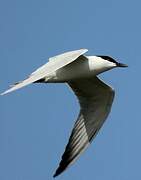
x=108, y=58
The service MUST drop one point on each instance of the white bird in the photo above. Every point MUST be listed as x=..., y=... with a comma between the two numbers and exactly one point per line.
x=94, y=96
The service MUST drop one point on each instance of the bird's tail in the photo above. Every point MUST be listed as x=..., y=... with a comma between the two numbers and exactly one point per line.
x=20, y=84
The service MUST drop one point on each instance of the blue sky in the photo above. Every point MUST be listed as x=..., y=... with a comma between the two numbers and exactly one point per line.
x=36, y=121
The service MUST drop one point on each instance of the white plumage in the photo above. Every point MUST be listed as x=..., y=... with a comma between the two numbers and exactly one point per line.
x=94, y=96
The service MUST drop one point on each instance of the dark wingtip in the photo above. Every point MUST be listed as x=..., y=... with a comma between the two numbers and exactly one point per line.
x=62, y=167
x=58, y=172
x=54, y=175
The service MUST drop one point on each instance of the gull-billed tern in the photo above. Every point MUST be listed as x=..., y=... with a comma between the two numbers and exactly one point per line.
x=95, y=97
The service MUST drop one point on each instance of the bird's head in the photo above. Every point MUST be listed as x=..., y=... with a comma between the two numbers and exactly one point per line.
x=103, y=63
x=109, y=61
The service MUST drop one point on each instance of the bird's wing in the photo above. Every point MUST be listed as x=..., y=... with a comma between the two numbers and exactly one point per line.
x=53, y=65
x=95, y=99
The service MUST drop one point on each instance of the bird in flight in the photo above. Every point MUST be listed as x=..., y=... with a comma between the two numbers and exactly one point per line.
x=94, y=96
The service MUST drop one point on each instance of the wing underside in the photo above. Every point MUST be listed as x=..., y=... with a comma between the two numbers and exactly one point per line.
x=95, y=99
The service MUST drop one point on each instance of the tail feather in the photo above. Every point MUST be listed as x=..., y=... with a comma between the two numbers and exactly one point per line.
x=12, y=85
x=23, y=83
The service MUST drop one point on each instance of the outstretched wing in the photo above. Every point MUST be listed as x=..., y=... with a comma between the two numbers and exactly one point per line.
x=53, y=65
x=95, y=99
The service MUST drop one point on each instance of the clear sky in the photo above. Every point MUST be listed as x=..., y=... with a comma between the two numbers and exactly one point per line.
x=36, y=121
